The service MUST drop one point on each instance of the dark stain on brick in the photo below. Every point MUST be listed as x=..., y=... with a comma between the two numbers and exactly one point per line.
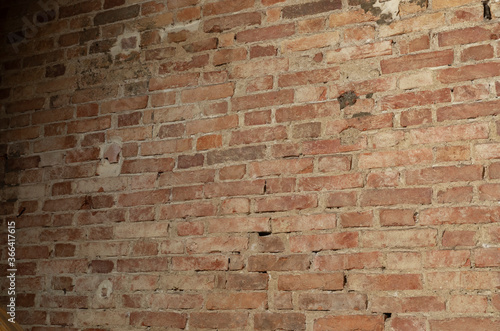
x=311, y=8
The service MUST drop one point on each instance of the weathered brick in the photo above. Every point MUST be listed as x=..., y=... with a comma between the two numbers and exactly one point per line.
x=311, y=8
x=267, y=33
x=399, y=238
x=459, y=215
x=359, y=52
x=310, y=42
x=332, y=301
x=116, y=15
x=326, y=282
x=319, y=242
x=350, y=322
x=410, y=304
x=220, y=24
x=417, y=61
x=279, y=321
x=468, y=72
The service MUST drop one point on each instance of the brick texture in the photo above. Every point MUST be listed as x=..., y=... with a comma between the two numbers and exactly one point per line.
x=251, y=164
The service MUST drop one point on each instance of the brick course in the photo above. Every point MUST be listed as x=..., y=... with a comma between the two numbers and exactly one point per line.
x=252, y=164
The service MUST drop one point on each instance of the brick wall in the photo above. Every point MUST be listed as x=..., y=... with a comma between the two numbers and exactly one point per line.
x=252, y=164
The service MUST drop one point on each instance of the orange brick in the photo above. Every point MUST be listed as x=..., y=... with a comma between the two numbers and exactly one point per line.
x=417, y=61
x=468, y=72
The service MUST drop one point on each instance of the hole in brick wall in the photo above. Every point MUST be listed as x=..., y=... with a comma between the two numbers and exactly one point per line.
x=486, y=10
x=387, y=315
x=264, y=233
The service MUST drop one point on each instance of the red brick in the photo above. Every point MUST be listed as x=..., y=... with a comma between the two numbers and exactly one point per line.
x=464, y=324
x=218, y=320
x=226, y=6
x=342, y=55
x=247, y=281
x=311, y=8
x=332, y=301
x=208, y=93
x=190, y=161
x=356, y=219
x=262, y=100
x=313, y=41
x=304, y=223
x=267, y=33
x=330, y=183
x=452, y=153
x=309, y=281
x=310, y=111
x=446, y=259
x=477, y=53
x=115, y=15
x=444, y=174
x=487, y=151
x=277, y=167
x=342, y=262
x=350, y=322
x=399, y=238
x=259, y=84
x=238, y=224
x=363, y=123
x=232, y=301
x=234, y=188
x=350, y=17
x=319, y=242
x=268, y=262
x=417, y=61
x=279, y=321
x=459, y=215
x=225, y=56
x=211, y=125
x=468, y=304
x=173, y=81
x=333, y=146
x=414, y=99
x=220, y=24
x=341, y=199
x=213, y=262
x=184, y=210
x=489, y=192
x=414, y=45
x=463, y=111
x=309, y=77
x=260, y=51
x=159, y=319
x=380, y=282
x=494, y=170
x=468, y=72
x=409, y=304
x=394, y=158
x=463, y=36
x=285, y=203
x=458, y=238
x=455, y=194
x=147, y=165
x=487, y=257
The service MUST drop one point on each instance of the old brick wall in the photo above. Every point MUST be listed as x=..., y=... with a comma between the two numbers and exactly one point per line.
x=252, y=164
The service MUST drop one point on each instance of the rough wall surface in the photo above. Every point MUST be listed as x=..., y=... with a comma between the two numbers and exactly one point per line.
x=252, y=164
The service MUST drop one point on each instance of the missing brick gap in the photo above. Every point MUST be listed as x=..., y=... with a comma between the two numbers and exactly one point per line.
x=486, y=10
